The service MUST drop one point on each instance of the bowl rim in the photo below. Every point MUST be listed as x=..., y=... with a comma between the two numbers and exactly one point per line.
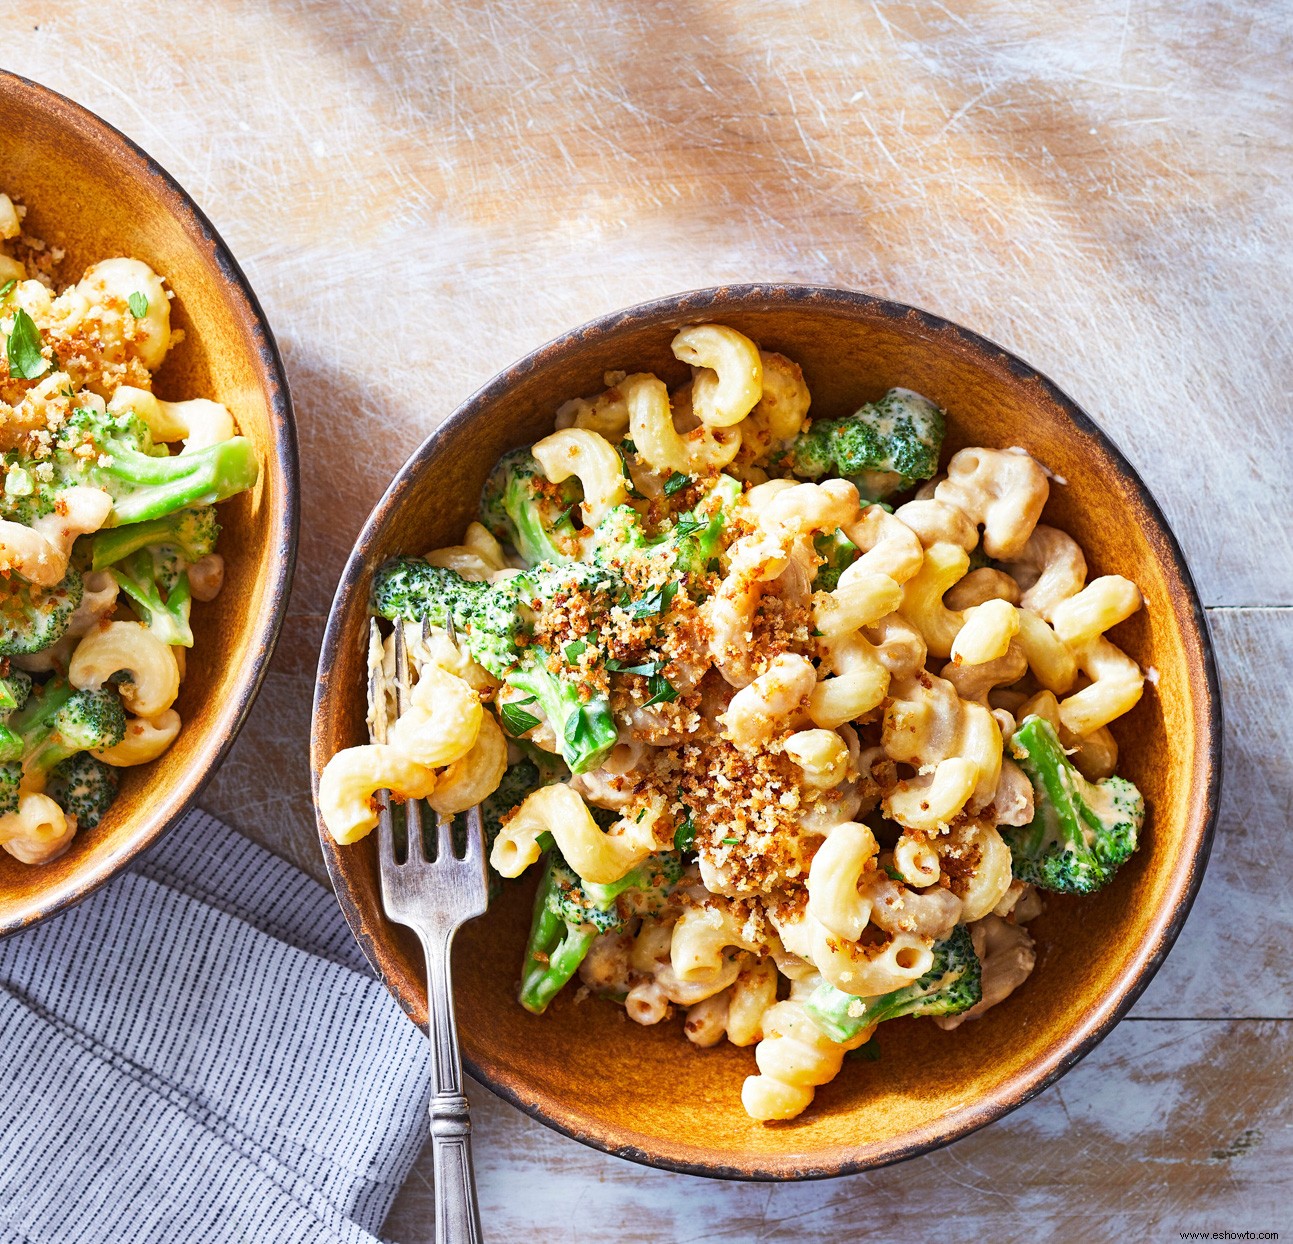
x=283, y=463
x=1096, y=1024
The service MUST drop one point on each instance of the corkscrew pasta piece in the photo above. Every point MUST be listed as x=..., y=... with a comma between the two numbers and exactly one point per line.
x=145, y=739
x=985, y=633
x=660, y=444
x=1052, y=568
x=597, y=856
x=834, y=899
x=822, y=755
x=351, y=779
x=153, y=677
x=704, y=931
x=199, y=423
x=1001, y=491
x=795, y=1058
x=766, y=706
x=441, y=722
x=607, y=413
x=596, y=463
x=728, y=379
x=39, y=831
x=1116, y=680
x=472, y=777
x=478, y=558
x=39, y=552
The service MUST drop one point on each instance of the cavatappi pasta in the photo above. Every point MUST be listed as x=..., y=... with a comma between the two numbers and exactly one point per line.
x=790, y=760
x=106, y=536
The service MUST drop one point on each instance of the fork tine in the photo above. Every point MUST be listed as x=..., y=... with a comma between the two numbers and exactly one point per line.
x=385, y=833
x=444, y=839
x=475, y=837
x=417, y=850
x=401, y=671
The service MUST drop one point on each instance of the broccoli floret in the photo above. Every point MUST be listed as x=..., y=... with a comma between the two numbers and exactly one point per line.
x=494, y=623
x=840, y=553
x=192, y=533
x=15, y=687
x=585, y=729
x=883, y=447
x=116, y=453
x=34, y=618
x=1081, y=832
x=10, y=780
x=569, y=914
x=157, y=583
x=525, y=509
x=58, y=721
x=952, y=985
x=84, y=787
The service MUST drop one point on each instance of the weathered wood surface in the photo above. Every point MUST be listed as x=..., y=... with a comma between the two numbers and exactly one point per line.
x=420, y=193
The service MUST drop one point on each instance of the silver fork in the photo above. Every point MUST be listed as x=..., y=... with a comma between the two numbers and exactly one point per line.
x=433, y=898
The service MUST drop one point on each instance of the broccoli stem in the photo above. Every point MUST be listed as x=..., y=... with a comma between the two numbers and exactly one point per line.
x=555, y=948
x=176, y=482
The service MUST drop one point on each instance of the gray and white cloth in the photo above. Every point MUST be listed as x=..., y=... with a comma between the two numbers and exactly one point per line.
x=200, y=1053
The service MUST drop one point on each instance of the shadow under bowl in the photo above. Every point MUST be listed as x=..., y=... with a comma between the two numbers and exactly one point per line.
x=646, y=1093
x=91, y=192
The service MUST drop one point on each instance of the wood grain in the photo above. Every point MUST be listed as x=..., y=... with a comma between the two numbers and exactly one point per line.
x=422, y=192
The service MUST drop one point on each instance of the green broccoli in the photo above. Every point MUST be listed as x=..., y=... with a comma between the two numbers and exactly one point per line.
x=952, y=985
x=157, y=583
x=525, y=509
x=116, y=453
x=1081, y=832
x=84, y=787
x=58, y=721
x=10, y=780
x=495, y=623
x=193, y=533
x=883, y=447
x=15, y=687
x=34, y=618
x=840, y=553
x=570, y=913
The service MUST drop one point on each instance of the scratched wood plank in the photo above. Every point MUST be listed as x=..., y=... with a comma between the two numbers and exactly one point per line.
x=1168, y=1126
x=422, y=192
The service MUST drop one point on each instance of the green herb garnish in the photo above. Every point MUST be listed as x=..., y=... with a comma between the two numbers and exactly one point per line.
x=684, y=837
x=138, y=304
x=25, y=359
x=661, y=689
x=575, y=650
x=654, y=602
x=676, y=483
x=516, y=721
x=8, y=286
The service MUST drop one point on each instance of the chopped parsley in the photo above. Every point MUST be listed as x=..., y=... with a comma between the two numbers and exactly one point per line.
x=684, y=837
x=893, y=873
x=7, y=287
x=688, y=525
x=516, y=720
x=138, y=304
x=654, y=602
x=730, y=842
x=25, y=359
x=676, y=483
x=566, y=516
x=661, y=689
x=645, y=668
x=575, y=650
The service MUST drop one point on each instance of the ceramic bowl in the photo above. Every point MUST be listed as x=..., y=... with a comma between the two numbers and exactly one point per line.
x=646, y=1093
x=92, y=192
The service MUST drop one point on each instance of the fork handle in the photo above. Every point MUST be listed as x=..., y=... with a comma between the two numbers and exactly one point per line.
x=457, y=1215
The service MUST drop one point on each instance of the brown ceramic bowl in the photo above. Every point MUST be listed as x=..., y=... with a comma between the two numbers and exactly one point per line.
x=646, y=1093
x=92, y=192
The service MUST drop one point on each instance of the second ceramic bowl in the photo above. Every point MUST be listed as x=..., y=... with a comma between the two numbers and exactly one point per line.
x=646, y=1093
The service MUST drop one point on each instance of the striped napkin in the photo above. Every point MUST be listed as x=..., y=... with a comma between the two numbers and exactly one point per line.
x=199, y=1053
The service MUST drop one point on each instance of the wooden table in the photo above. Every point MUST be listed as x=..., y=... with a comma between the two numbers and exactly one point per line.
x=421, y=193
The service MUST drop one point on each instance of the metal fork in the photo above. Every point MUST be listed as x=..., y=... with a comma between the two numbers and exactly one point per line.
x=433, y=898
